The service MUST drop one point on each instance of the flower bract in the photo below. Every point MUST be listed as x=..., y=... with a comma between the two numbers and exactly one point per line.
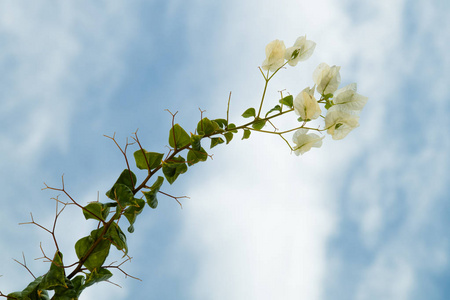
x=305, y=141
x=301, y=51
x=340, y=122
x=347, y=98
x=306, y=106
x=274, y=55
x=327, y=78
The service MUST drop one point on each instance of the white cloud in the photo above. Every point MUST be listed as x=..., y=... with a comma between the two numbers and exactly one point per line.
x=50, y=57
x=396, y=193
x=259, y=232
x=264, y=238
x=388, y=278
x=44, y=51
x=260, y=222
x=372, y=46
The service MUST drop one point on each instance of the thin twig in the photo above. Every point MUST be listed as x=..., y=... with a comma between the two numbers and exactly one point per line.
x=228, y=109
x=120, y=269
x=176, y=198
x=24, y=264
x=272, y=125
x=71, y=199
x=124, y=152
x=136, y=139
x=173, y=130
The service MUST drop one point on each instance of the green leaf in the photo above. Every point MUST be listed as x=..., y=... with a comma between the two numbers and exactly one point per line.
x=96, y=210
x=231, y=128
x=96, y=276
x=152, y=201
x=295, y=54
x=70, y=291
x=216, y=127
x=171, y=169
x=259, y=124
x=228, y=136
x=145, y=159
x=31, y=292
x=327, y=96
x=132, y=211
x=178, y=137
x=195, y=141
x=288, y=101
x=300, y=119
x=206, y=127
x=216, y=141
x=127, y=178
x=328, y=104
x=111, y=204
x=195, y=156
x=78, y=282
x=117, y=238
x=276, y=108
x=246, y=135
x=249, y=113
x=122, y=194
x=98, y=256
x=55, y=276
x=221, y=122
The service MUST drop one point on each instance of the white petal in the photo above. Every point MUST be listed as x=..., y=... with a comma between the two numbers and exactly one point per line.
x=304, y=48
x=308, y=50
x=274, y=55
x=305, y=141
x=300, y=41
x=306, y=106
x=339, y=123
x=318, y=72
x=351, y=87
x=298, y=133
x=327, y=78
x=350, y=100
x=331, y=82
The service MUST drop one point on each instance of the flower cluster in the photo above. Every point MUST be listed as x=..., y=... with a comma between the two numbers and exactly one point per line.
x=342, y=105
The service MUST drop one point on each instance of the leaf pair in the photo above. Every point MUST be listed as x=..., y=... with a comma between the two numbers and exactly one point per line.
x=257, y=124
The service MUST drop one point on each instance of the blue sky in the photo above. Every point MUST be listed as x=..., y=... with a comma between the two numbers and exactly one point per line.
x=362, y=218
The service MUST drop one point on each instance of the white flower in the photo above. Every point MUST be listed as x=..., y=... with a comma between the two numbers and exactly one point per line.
x=347, y=98
x=301, y=51
x=306, y=106
x=274, y=55
x=339, y=122
x=305, y=141
x=327, y=78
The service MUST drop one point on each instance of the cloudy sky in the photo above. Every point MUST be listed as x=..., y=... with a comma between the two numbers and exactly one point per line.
x=361, y=218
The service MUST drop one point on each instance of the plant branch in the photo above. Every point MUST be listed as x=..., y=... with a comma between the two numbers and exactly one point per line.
x=92, y=248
